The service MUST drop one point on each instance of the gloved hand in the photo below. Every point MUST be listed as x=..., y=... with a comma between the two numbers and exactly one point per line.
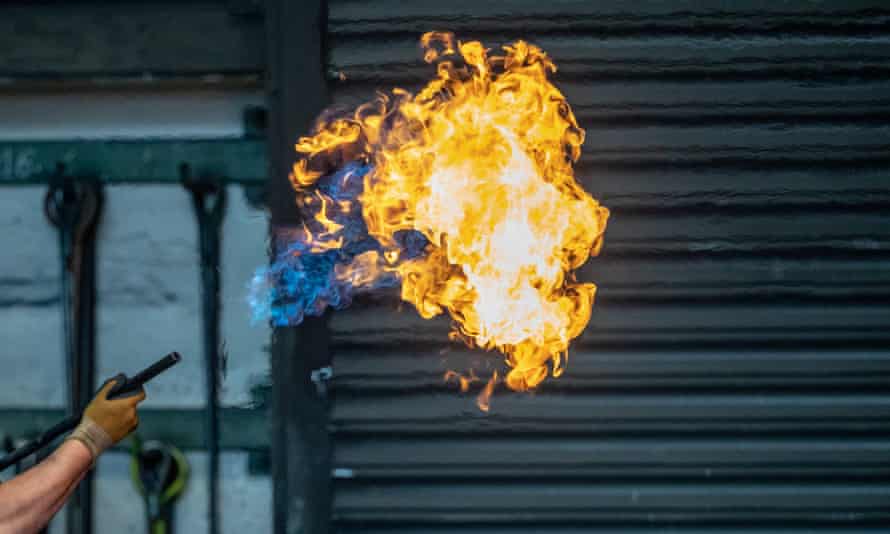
x=105, y=422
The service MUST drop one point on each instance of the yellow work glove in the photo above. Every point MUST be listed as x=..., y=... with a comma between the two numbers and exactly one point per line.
x=105, y=422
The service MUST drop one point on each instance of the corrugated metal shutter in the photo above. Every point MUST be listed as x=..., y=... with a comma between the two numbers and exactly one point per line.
x=735, y=373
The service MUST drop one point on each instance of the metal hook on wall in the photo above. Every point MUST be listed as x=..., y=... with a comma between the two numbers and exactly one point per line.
x=160, y=473
x=73, y=206
x=209, y=202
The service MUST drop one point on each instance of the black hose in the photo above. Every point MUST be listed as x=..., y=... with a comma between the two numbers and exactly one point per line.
x=62, y=427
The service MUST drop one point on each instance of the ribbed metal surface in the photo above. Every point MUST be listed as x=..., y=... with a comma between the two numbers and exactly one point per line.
x=735, y=374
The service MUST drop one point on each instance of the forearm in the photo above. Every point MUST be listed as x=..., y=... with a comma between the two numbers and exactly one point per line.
x=30, y=500
x=47, y=514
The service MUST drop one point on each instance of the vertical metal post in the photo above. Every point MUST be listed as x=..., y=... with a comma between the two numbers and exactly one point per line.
x=74, y=206
x=300, y=443
x=209, y=201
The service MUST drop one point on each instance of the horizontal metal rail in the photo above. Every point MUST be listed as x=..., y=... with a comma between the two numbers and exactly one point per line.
x=240, y=428
x=236, y=161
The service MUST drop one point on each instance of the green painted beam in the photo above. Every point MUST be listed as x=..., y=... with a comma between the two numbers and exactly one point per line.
x=239, y=161
x=240, y=428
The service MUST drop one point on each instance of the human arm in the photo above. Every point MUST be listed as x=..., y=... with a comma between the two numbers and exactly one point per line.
x=29, y=501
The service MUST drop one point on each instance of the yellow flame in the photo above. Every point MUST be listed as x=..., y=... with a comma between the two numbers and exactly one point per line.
x=480, y=161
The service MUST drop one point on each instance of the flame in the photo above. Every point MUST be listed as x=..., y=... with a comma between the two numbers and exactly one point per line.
x=464, y=381
x=483, y=400
x=480, y=164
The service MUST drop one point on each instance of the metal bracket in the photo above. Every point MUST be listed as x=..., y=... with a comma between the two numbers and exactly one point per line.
x=320, y=378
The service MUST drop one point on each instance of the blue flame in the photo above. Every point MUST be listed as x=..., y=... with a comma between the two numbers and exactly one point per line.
x=300, y=281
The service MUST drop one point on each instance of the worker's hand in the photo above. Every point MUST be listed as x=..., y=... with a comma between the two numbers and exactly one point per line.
x=116, y=417
x=105, y=422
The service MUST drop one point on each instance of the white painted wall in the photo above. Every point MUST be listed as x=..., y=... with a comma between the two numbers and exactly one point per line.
x=124, y=115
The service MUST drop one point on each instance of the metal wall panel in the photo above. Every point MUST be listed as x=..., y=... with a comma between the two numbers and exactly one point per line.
x=734, y=377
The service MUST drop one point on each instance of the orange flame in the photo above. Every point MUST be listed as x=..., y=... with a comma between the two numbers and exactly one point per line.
x=464, y=381
x=480, y=162
x=483, y=401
